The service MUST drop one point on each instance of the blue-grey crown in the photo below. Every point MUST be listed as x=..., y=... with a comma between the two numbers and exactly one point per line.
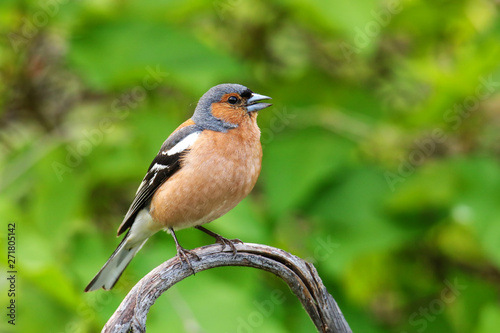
x=202, y=114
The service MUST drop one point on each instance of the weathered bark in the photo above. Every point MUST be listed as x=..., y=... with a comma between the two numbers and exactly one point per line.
x=301, y=277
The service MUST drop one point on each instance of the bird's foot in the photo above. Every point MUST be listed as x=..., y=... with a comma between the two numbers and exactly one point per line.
x=221, y=240
x=229, y=242
x=183, y=255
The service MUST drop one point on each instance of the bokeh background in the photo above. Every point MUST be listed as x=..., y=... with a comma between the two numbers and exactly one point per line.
x=381, y=156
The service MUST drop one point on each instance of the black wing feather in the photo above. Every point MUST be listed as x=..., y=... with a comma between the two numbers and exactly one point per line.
x=156, y=177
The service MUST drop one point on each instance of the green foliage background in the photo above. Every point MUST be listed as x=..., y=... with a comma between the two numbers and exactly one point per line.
x=381, y=156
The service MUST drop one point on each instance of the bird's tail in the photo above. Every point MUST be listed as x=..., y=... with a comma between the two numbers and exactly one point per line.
x=109, y=274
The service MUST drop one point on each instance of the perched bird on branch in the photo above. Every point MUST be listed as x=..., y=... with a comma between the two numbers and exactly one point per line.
x=202, y=171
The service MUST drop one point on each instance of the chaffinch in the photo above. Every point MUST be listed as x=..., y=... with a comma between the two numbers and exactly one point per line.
x=203, y=170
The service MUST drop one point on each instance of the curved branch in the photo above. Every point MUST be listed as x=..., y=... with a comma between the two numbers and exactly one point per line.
x=301, y=277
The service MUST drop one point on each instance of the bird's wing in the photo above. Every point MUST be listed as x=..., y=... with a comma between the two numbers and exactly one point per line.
x=164, y=165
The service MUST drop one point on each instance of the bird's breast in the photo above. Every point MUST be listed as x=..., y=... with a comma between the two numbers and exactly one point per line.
x=216, y=174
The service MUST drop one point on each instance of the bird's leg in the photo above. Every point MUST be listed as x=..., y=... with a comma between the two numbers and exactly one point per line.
x=182, y=252
x=221, y=240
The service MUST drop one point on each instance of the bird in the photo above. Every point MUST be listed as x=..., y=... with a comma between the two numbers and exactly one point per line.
x=203, y=170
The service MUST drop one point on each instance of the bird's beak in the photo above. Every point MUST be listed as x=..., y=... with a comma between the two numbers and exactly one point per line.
x=253, y=102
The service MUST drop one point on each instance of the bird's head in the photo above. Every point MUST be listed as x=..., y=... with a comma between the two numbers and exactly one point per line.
x=228, y=105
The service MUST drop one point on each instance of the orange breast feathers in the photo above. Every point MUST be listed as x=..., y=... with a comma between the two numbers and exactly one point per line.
x=218, y=172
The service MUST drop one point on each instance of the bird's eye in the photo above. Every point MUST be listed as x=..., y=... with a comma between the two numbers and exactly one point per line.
x=233, y=100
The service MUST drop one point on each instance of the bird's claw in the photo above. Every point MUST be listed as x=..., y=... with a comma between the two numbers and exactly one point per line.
x=182, y=253
x=229, y=242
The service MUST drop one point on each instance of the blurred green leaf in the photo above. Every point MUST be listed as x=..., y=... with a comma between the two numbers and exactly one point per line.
x=128, y=51
x=317, y=154
x=489, y=319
